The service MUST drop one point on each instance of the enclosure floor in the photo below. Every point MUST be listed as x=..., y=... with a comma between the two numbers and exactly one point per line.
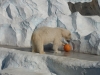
x=71, y=54
x=81, y=56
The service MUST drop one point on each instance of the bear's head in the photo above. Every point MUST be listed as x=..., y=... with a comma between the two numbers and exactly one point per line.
x=66, y=34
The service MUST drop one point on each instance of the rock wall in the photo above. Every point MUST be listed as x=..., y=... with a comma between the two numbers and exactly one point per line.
x=19, y=18
x=86, y=8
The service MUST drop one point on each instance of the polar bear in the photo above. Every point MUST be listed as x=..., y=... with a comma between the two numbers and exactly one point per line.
x=45, y=35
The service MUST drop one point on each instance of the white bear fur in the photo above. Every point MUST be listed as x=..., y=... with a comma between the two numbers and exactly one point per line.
x=45, y=35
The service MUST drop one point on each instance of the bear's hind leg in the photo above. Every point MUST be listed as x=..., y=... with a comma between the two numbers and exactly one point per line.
x=40, y=47
x=34, y=48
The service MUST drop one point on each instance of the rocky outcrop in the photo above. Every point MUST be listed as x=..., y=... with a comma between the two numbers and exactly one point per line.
x=13, y=62
x=86, y=8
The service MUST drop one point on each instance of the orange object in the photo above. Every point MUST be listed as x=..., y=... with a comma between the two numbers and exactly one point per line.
x=67, y=47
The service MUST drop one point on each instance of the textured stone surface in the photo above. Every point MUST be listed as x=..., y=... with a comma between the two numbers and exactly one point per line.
x=14, y=62
x=86, y=8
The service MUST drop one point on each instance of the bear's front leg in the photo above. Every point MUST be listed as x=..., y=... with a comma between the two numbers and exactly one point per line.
x=56, y=45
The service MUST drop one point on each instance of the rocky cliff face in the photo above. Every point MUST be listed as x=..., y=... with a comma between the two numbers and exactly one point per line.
x=86, y=8
x=19, y=18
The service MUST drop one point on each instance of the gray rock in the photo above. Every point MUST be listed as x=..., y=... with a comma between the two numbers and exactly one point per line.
x=86, y=8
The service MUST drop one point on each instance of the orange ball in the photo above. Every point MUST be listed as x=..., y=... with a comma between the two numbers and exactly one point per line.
x=67, y=47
